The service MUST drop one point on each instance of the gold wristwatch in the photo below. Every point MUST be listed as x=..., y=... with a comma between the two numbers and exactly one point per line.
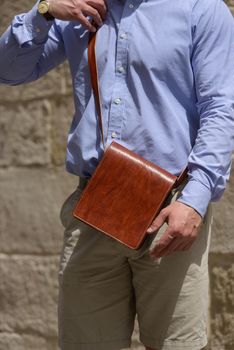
x=43, y=9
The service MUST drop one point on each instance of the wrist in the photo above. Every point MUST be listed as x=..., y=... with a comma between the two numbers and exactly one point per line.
x=195, y=195
x=188, y=206
x=45, y=9
x=51, y=8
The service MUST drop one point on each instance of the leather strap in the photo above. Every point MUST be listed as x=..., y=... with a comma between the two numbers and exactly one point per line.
x=94, y=81
x=182, y=177
x=95, y=85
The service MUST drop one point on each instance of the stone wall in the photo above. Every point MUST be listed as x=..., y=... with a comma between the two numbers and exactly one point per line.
x=34, y=120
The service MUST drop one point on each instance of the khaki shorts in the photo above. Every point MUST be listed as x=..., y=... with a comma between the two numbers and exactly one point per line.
x=104, y=285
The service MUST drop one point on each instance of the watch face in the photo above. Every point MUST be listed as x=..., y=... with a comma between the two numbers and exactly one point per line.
x=43, y=7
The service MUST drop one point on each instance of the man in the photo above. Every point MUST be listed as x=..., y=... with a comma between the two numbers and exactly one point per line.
x=166, y=73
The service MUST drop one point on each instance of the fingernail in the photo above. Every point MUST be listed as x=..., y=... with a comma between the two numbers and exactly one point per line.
x=93, y=30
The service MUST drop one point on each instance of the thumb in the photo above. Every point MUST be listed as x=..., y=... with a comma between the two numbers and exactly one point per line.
x=158, y=221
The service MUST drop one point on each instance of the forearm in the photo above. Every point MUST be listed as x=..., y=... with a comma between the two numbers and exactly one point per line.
x=210, y=160
x=32, y=45
x=22, y=48
x=212, y=62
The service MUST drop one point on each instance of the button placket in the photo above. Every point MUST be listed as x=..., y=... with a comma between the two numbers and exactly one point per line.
x=117, y=110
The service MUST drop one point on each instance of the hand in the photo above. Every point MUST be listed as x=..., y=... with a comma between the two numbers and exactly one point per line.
x=78, y=10
x=183, y=227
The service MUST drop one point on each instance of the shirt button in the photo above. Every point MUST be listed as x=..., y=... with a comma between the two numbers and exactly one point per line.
x=131, y=6
x=117, y=101
x=123, y=36
x=120, y=69
x=113, y=135
x=38, y=30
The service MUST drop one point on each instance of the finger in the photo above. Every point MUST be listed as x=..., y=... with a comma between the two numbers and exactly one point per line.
x=181, y=243
x=163, y=243
x=169, y=249
x=185, y=242
x=90, y=11
x=177, y=245
x=85, y=22
x=100, y=6
x=158, y=222
x=193, y=235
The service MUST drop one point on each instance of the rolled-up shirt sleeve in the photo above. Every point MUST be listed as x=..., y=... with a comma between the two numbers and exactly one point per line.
x=29, y=48
x=213, y=66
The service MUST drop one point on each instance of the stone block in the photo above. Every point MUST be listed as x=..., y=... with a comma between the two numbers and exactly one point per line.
x=51, y=86
x=12, y=341
x=222, y=233
x=24, y=134
x=29, y=209
x=222, y=302
x=28, y=295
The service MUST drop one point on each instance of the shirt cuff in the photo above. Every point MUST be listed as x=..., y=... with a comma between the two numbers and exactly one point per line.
x=196, y=195
x=31, y=26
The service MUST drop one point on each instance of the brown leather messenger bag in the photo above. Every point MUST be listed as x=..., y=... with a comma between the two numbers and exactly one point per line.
x=126, y=192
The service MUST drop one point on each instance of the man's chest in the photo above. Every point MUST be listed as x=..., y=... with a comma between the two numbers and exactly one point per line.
x=147, y=36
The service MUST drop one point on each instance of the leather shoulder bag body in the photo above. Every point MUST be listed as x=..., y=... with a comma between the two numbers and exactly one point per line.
x=126, y=192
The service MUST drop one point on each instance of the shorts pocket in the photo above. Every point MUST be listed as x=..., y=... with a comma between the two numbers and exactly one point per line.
x=68, y=207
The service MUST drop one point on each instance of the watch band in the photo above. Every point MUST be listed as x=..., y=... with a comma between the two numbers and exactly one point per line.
x=46, y=15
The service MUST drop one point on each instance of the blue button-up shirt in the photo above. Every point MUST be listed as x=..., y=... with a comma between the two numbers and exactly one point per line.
x=166, y=71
